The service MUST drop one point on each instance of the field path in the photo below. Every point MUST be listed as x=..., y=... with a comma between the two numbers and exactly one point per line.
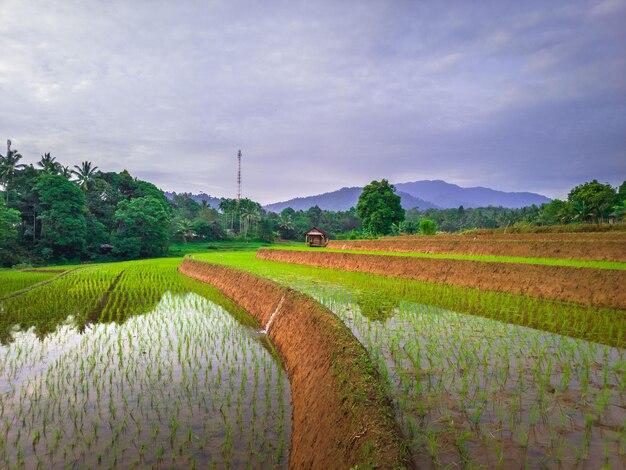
x=602, y=287
x=341, y=415
x=39, y=284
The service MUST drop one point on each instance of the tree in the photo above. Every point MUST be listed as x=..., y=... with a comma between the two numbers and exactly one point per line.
x=142, y=230
x=9, y=164
x=249, y=212
x=84, y=174
x=62, y=206
x=9, y=219
x=379, y=208
x=593, y=200
x=48, y=164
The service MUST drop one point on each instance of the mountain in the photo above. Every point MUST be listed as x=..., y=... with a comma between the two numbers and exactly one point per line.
x=342, y=200
x=424, y=194
x=213, y=202
x=448, y=195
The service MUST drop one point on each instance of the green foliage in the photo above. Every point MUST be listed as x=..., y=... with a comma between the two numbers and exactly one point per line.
x=9, y=218
x=142, y=228
x=409, y=227
x=428, y=227
x=379, y=208
x=592, y=201
x=61, y=211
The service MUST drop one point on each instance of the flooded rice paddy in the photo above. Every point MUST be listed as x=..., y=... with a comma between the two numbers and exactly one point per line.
x=184, y=385
x=472, y=392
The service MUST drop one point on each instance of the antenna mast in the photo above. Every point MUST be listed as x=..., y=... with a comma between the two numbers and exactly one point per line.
x=239, y=177
x=8, y=147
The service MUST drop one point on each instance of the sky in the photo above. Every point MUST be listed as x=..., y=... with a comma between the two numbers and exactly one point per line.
x=318, y=95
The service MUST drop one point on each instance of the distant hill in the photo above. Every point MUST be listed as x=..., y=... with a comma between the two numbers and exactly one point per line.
x=214, y=202
x=424, y=194
x=449, y=195
x=342, y=200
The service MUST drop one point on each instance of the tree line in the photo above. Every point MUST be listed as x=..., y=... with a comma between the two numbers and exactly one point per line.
x=53, y=213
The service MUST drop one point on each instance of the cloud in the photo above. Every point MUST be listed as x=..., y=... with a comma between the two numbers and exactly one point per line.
x=525, y=96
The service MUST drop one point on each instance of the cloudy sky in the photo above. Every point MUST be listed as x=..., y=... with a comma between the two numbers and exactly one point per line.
x=517, y=96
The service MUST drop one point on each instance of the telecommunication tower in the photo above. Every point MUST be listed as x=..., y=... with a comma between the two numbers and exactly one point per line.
x=8, y=147
x=239, y=177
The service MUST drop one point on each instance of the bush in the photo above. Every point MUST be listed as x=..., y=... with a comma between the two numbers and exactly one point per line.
x=428, y=227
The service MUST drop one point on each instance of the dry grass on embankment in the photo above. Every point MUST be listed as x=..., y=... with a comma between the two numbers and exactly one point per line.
x=341, y=416
x=602, y=287
x=583, y=246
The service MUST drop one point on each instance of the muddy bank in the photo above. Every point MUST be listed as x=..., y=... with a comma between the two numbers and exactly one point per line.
x=602, y=287
x=341, y=416
x=536, y=246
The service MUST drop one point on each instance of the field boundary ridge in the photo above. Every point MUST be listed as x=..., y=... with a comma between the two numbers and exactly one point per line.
x=341, y=415
x=600, y=287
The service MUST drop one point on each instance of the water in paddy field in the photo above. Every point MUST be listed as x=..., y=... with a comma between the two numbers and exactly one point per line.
x=182, y=386
x=474, y=392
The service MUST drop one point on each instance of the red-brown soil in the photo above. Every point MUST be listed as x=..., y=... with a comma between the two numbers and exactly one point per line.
x=583, y=246
x=604, y=287
x=341, y=417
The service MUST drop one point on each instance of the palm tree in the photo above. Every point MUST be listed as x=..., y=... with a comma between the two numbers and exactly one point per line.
x=248, y=214
x=49, y=165
x=185, y=228
x=285, y=223
x=9, y=164
x=66, y=171
x=84, y=174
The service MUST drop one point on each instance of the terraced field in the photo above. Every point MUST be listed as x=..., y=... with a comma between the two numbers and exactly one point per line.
x=156, y=363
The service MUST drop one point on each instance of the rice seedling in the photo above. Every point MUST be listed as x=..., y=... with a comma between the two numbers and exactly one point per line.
x=457, y=380
x=131, y=385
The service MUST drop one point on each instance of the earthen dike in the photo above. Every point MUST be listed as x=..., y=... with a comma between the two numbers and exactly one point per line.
x=341, y=416
x=602, y=287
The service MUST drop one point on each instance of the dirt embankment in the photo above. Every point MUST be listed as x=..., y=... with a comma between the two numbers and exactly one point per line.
x=534, y=247
x=604, y=287
x=341, y=416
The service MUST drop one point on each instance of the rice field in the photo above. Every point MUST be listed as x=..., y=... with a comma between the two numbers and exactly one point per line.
x=14, y=281
x=475, y=392
x=135, y=365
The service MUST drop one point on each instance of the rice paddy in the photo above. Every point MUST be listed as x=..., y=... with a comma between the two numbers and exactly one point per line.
x=132, y=364
x=15, y=281
x=475, y=392
x=135, y=365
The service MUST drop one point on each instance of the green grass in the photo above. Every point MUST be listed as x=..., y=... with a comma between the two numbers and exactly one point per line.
x=14, y=281
x=496, y=259
x=182, y=249
x=600, y=324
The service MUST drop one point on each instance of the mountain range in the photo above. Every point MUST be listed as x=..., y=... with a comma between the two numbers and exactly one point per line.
x=423, y=194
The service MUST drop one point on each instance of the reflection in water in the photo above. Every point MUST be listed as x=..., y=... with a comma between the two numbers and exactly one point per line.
x=470, y=391
x=184, y=385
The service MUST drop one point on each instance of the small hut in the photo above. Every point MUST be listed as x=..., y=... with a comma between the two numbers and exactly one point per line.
x=316, y=237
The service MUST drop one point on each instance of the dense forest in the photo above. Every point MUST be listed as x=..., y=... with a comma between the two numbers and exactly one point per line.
x=53, y=213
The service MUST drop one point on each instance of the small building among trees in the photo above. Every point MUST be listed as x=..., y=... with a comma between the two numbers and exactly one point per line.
x=316, y=237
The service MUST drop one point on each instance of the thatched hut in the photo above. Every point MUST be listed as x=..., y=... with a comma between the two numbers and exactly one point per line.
x=316, y=237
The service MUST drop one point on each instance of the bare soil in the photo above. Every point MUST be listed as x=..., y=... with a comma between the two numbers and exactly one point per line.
x=341, y=416
x=583, y=246
x=603, y=287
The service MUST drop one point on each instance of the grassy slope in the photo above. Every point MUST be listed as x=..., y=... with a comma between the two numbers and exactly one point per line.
x=496, y=259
